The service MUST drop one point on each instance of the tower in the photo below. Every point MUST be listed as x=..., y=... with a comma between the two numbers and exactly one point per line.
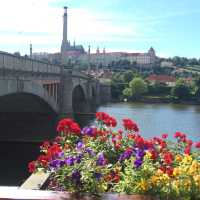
x=97, y=51
x=65, y=42
x=31, y=51
x=89, y=50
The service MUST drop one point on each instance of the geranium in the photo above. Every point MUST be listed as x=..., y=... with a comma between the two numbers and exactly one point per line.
x=98, y=159
x=130, y=125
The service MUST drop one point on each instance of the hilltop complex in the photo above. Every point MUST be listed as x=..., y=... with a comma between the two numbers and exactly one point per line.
x=77, y=53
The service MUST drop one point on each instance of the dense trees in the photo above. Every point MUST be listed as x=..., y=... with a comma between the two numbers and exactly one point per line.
x=181, y=90
x=137, y=87
x=120, y=81
x=183, y=61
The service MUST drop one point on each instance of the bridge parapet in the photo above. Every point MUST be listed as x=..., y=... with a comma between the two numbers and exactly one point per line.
x=19, y=63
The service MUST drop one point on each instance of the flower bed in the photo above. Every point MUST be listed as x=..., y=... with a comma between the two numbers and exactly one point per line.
x=98, y=159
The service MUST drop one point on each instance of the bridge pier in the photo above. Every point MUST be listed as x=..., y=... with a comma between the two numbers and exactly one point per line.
x=66, y=89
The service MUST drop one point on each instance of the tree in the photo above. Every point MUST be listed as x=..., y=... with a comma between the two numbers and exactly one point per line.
x=117, y=85
x=181, y=90
x=127, y=92
x=138, y=87
x=128, y=76
x=197, y=84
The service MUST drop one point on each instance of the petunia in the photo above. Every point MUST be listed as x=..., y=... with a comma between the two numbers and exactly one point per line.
x=97, y=175
x=80, y=145
x=138, y=163
x=101, y=160
x=76, y=177
x=69, y=161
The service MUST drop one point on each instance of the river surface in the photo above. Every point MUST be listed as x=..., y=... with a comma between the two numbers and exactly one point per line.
x=152, y=119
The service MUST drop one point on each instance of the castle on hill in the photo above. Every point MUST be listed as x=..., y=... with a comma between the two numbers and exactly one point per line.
x=77, y=52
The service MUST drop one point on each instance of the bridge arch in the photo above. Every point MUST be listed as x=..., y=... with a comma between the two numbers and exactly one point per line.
x=27, y=113
x=9, y=87
x=78, y=99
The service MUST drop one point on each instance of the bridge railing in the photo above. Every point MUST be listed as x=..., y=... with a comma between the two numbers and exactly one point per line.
x=19, y=63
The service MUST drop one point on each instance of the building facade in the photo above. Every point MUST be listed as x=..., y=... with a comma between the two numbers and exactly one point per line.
x=77, y=52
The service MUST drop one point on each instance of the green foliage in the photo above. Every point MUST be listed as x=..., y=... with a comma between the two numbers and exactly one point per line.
x=127, y=92
x=159, y=89
x=138, y=87
x=117, y=85
x=181, y=90
x=128, y=76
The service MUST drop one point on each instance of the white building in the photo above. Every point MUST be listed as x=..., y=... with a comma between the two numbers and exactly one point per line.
x=141, y=59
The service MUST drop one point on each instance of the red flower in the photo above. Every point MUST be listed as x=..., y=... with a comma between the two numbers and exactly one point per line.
x=187, y=150
x=101, y=116
x=74, y=128
x=117, y=145
x=139, y=141
x=63, y=125
x=43, y=160
x=110, y=121
x=164, y=136
x=197, y=145
x=32, y=166
x=154, y=154
x=168, y=158
x=169, y=171
x=54, y=150
x=180, y=136
x=189, y=142
x=45, y=145
x=130, y=125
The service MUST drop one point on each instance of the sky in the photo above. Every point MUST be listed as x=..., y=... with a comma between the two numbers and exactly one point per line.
x=171, y=27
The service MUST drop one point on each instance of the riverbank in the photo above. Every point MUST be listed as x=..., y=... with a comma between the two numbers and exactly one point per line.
x=159, y=99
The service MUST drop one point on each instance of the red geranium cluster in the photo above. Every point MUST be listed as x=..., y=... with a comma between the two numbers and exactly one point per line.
x=50, y=152
x=183, y=138
x=130, y=125
x=117, y=139
x=68, y=126
x=106, y=119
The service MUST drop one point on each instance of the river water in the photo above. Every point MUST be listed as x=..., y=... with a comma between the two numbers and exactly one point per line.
x=152, y=119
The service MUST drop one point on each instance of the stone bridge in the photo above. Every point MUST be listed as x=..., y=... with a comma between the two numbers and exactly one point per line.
x=31, y=86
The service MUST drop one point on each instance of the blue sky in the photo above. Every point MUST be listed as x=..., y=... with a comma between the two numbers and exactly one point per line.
x=171, y=27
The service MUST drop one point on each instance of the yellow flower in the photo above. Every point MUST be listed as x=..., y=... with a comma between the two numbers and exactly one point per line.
x=194, y=168
x=165, y=178
x=197, y=180
x=148, y=155
x=159, y=172
x=154, y=180
x=178, y=158
x=176, y=171
x=176, y=185
x=142, y=185
x=187, y=159
x=187, y=184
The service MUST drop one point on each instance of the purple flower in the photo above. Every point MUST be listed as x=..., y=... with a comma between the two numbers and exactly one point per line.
x=87, y=131
x=80, y=145
x=138, y=163
x=78, y=158
x=90, y=152
x=101, y=161
x=97, y=175
x=61, y=154
x=139, y=154
x=76, y=177
x=69, y=161
x=55, y=164
x=125, y=155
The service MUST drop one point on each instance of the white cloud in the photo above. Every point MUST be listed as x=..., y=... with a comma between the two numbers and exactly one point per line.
x=37, y=22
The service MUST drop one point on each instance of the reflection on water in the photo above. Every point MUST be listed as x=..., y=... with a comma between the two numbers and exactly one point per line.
x=153, y=120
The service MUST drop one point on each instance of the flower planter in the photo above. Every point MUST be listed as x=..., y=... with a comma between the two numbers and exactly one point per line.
x=100, y=160
x=34, y=188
